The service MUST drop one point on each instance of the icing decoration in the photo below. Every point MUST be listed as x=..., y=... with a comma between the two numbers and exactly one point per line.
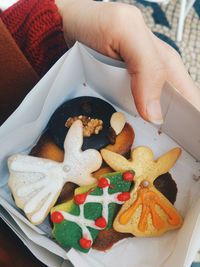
x=85, y=243
x=123, y=196
x=57, y=217
x=36, y=182
x=148, y=212
x=103, y=182
x=95, y=213
x=128, y=176
x=145, y=183
x=117, y=122
x=101, y=222
x=148, y=199
x=81, y=198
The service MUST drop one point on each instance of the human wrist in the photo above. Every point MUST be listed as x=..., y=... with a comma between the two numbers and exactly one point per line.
x=77, y=16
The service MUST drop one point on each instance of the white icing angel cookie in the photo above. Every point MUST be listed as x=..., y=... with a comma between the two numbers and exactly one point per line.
x=36, y=182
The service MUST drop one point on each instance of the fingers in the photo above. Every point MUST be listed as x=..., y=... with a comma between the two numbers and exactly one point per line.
x=146, y=69
x=119, y=31
x=146, y=85
x=151, y=62
x=79, y=19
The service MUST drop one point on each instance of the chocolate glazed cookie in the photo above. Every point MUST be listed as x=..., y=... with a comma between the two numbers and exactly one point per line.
x=95, y=115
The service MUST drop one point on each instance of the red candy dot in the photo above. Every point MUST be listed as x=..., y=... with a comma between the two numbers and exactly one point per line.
x=128, y=176
x=57, y=217
x=123, y=196
x=101, y=222
x=80, y=199
x=103, y=182
x=85, y=243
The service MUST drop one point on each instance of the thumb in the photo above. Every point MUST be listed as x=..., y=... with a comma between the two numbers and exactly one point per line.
x=145, y=66
x=146, y=86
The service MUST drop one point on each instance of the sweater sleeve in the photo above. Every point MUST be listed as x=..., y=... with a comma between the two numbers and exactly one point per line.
x=36, y=27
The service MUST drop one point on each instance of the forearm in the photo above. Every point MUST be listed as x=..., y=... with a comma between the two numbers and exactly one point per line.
x=77, y=16
x=95, y=23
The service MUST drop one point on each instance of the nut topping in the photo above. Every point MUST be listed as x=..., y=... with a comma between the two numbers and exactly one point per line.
x=117, y=122
x=90, y=125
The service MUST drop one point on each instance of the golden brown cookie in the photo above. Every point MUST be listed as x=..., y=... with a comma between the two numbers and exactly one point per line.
x=45, y=148
x=124, y=141
x=148, y=212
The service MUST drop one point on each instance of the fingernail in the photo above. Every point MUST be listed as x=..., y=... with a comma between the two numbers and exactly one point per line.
x=154, y=112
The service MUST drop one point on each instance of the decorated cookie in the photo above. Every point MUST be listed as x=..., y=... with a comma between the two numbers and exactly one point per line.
x=46, y=148
x=78, y=222
x=108, y=237
x=36, y=182
x=148, y=212
x=95, y=114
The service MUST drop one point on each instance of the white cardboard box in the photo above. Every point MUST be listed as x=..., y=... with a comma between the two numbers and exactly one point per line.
x=82, y=71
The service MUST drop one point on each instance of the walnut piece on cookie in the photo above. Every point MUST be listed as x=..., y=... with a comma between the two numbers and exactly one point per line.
x=37, y=182
x=95, y=114
x=90, y=125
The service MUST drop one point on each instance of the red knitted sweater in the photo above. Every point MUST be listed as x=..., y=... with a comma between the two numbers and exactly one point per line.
x=36, y=27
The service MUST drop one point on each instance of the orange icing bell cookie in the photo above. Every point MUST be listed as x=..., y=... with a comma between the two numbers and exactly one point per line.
x=148, y=212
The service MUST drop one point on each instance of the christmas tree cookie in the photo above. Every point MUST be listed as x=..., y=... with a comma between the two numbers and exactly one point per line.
x=77, y=222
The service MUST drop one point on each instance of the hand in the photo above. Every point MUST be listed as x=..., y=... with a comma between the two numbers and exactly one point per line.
x=119, y=31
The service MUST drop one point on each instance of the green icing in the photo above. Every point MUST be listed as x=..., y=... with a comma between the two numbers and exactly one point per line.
x=68, y=233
